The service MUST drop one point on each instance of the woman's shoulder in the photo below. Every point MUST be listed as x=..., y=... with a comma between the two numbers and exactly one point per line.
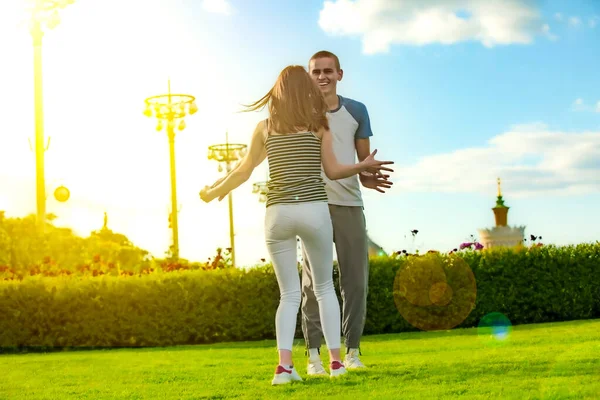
x=320, y=132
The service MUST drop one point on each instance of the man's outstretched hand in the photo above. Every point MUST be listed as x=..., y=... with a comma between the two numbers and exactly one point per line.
x=375, y=182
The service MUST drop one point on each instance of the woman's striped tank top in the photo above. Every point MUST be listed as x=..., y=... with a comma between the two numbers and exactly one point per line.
x=294, y=169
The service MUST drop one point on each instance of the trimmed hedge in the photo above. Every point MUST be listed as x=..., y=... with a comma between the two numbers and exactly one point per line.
x=152, y=310
x=528, y=285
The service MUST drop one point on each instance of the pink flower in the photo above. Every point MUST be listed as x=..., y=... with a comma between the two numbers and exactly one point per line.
x=465, y=245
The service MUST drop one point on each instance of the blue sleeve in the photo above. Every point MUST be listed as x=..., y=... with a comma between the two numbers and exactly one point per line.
x=360, y=114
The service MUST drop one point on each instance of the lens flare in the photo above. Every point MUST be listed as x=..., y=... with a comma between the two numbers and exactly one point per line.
x=434, y=291
x=494, y=328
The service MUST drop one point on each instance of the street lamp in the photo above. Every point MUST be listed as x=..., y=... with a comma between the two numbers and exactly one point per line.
x=170, y=110
x=261, y=188
x=226, y=154
x=43, y=13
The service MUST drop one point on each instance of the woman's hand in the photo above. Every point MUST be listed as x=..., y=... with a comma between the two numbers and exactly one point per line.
x=207, y=194
x=370, y=164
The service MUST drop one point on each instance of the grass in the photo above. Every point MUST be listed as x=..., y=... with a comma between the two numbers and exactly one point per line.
x=542, y=361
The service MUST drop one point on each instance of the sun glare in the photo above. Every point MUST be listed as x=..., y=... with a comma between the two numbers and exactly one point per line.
x=99, y=65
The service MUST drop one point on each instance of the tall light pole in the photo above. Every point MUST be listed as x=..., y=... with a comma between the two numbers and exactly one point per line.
x=226, y=154
x=170, y=110
x=43, y=13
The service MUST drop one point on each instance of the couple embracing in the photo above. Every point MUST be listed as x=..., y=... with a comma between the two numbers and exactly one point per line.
x=311, y=140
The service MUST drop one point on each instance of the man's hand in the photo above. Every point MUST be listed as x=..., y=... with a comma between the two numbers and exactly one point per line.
x=375, y=182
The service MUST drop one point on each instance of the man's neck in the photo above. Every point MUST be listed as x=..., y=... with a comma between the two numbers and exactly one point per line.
x=332, y=100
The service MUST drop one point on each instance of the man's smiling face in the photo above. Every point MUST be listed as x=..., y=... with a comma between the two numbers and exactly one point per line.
x=325, y=73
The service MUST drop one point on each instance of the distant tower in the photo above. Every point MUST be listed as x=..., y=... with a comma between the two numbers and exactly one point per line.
x=502, y=235
x=500, y=211
x=105, y=226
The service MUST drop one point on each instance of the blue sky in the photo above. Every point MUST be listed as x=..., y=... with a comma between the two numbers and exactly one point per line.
x=511, y=91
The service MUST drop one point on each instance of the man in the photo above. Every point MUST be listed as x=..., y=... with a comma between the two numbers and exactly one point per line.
x=351, y=130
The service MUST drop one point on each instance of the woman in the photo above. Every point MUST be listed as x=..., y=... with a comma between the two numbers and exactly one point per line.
x=297, y=141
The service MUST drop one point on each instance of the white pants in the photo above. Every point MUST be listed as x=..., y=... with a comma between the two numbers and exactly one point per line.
x=312, y=223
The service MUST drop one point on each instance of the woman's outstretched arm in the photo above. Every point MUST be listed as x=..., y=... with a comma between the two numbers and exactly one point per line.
x=255, y=156
x=335, y=170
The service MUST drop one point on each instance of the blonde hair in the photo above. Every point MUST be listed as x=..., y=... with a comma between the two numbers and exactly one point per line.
x=294, y=101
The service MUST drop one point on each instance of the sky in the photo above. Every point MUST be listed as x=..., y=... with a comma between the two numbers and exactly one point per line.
x=459, y=92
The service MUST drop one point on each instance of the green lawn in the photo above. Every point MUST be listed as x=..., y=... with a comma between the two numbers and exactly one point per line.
x=544, y=361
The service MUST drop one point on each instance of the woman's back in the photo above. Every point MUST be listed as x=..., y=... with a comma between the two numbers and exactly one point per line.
x=294, y=168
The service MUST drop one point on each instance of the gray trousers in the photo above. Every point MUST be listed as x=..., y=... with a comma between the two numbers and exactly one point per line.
x=350, y=238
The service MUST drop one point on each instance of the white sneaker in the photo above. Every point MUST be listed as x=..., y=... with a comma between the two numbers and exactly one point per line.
x=352, y=361
x=336, y=368
x=283, y=376
x=315, y=367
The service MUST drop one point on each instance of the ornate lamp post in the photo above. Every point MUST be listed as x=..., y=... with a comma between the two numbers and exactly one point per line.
x=44, y=13
x=261, y=189
x=170, y=110
x=227, y=154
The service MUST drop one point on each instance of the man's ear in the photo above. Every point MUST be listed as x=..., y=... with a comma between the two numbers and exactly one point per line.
x=340, y=74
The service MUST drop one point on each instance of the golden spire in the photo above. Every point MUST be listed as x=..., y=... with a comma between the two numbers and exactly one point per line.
x=499, y=190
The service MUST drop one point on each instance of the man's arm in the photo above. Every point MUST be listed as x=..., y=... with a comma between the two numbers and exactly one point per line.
x=363, y=149
x=368, y=180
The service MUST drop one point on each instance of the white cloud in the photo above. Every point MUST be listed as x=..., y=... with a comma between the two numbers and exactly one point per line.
x=530, y=159
x=574, y=21
x=578, y=105
x=217, y=6
x=547, y=33
x=581, y=105
x=382, y=23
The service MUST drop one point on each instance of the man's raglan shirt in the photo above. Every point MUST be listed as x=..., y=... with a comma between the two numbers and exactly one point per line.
x=349, y=122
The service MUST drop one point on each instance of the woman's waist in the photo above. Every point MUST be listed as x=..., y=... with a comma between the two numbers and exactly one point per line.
x=296, y=183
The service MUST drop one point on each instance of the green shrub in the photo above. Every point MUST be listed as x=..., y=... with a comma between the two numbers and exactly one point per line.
x=58, y=251
x=153, y=310
x=528, y=285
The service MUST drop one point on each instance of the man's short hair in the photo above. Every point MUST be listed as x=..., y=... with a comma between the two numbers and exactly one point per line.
x=327, y=54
